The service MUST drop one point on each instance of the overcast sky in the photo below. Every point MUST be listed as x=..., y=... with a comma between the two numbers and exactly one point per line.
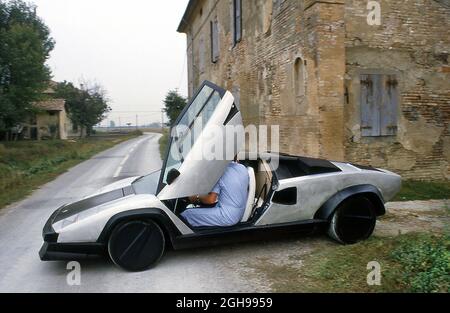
x=130, y=47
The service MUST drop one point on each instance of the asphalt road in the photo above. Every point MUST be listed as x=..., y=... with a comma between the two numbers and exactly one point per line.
x=221, y=269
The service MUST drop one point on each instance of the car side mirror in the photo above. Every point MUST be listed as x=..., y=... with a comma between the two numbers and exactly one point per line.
x=172, y=175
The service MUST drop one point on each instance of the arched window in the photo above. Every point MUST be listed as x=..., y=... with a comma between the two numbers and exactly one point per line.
x=299, y=77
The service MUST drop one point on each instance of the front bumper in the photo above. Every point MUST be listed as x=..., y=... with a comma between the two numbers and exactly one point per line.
x=52, y=250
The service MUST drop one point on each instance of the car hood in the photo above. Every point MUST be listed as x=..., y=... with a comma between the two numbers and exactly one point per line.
x=71, y=212
x=116, y=185
x=108, y=193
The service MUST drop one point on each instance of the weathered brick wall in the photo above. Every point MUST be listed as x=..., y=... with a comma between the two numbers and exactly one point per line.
x=413, y=43
x=260, y=68
x=335, y=44
x=326, y=41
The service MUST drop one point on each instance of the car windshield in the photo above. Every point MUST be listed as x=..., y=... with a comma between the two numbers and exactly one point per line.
x=147, y=184
x=195, y=117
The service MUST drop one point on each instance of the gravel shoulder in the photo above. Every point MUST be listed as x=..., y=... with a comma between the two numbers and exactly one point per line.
x=414, y=216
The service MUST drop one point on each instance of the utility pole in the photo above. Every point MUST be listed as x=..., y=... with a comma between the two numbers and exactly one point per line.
x=162, y=119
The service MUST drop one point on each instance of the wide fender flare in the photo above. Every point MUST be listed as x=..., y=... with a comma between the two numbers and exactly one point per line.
x=326, y=211
x=155, y=214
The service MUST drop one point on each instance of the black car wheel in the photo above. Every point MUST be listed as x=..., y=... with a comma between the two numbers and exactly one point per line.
x=136, y=245
x=353, y=220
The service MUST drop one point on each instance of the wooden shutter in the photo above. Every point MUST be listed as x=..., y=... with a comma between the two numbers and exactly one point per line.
x=379, y=105
x=370, y=105
x=237, y=20
x=389, y=107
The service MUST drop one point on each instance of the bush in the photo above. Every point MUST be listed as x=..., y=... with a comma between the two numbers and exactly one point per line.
x=426, y=262
x=136, y=132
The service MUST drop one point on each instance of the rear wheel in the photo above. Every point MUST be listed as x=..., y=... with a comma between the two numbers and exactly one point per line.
x=353, y=220
x=136, y=245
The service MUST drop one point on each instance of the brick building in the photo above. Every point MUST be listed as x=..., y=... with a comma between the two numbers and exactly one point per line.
x=339, y=85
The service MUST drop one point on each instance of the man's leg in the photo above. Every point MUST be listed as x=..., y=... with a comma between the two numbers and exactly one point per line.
x=204, y=217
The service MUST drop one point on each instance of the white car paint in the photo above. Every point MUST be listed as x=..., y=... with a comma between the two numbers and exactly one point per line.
x=87, y=225
x=315, y=190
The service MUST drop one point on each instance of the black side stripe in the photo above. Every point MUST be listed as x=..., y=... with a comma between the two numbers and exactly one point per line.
x=91, y=202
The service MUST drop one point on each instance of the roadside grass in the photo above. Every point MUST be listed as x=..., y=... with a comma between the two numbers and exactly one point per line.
x=26, y=165
x=409, y=263
x=423, y=190
x=163, y=142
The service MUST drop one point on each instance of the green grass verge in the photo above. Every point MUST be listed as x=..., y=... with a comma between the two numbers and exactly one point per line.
x=163, y=142
x=421, y=190
x=409, y=263
x=26, y=165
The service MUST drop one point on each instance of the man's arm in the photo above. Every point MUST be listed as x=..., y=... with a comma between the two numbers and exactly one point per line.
x=210, y=198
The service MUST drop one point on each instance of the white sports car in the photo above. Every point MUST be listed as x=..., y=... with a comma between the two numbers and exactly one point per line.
x=134, y=220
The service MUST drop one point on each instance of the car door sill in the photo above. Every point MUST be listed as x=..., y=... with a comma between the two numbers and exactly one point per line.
x=210, y=236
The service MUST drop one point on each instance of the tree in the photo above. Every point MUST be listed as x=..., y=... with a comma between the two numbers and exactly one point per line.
x=173, y=105
x=25, y=45
x=86, y=106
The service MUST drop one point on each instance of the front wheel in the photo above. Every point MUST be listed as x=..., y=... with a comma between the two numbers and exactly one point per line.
x=354, y=220
x=136, y=245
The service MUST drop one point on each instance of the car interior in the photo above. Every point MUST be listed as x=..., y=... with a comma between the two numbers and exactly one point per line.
x=260, y=181
x=262, y=185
